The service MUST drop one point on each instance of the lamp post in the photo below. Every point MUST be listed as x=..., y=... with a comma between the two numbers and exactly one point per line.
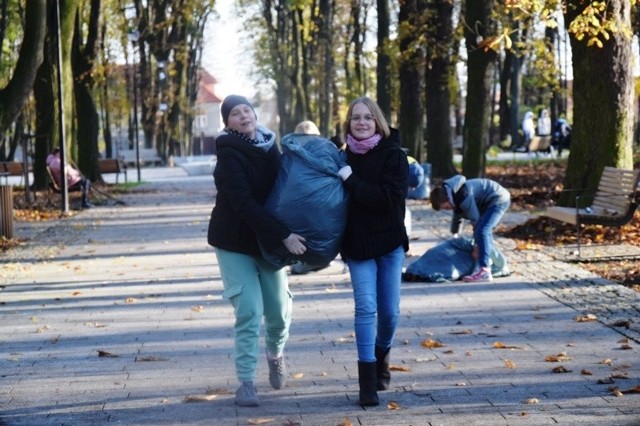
x=133, y=36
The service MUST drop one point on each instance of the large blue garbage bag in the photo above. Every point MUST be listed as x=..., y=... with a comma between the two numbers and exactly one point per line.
x=309, y=198
x=451, y=260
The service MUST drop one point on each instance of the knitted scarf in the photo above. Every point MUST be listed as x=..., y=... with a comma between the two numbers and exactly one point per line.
x=365, y=145
x=264, y=140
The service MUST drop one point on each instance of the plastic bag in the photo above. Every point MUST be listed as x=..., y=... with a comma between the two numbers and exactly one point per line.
x=309, y=198
x=451, y=260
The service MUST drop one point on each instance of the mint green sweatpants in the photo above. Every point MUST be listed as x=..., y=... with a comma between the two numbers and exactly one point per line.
x=255, y=289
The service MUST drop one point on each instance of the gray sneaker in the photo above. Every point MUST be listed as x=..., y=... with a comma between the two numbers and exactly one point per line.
x=277, y=372
x=246, y=395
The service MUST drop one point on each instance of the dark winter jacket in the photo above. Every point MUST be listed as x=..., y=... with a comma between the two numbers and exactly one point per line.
x=244, y=175
x=378, y=189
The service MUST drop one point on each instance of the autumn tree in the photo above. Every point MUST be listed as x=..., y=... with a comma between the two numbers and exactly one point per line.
x=15, y=94
x=440, y=42
x=602, y=91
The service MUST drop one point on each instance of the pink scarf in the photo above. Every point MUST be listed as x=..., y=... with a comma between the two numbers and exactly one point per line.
x=365, y=145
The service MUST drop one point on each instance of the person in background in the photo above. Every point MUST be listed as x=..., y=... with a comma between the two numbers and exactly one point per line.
x=481, y=201
x=307, y=127
x=544, y=123
x=75, y=179
x=247, y=166
x=562, y=135
x=375, y=239
x=528, y=131
x=418, y=181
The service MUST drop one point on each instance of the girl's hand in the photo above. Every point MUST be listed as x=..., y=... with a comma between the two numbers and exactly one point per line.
x=294, y=243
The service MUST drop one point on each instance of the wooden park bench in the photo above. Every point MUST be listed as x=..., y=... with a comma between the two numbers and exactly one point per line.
x=12, y=168
x=613, y=204
x=146, y=155
x=113, y=165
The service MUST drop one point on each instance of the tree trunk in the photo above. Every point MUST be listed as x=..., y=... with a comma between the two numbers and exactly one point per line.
x=383, y=88
x=603, y=108
x=480, y=74
x=46, y=105
x=410, y=117
x=88, y=121
x=15, y=94
x=439, y=72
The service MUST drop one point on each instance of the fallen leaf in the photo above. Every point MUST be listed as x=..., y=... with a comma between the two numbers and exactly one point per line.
x=586, y=373
x=43, y=329
x=500, y=345
x=130, y=300
x=620, y=376
x=509, y=364
x=393, y=405
x=561, y=369
x=562, y=356
x=345, y=422
x=462, y=332
x=432, y=344
x=531, y=401
x=606, y=381
x=105, y=354
x=616, y=392
x=259, y=421
x=198, y=308
x=635, y=389
x=606, y=361
x=461, y=384
x=200, y=398
x=393, y=367
x=297, y=375
x=626, y=347
x=586, y=318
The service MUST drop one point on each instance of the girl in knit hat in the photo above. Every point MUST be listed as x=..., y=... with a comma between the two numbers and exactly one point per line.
x=248, y=162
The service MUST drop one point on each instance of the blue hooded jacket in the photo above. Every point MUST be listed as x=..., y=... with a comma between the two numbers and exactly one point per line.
x=473, y=197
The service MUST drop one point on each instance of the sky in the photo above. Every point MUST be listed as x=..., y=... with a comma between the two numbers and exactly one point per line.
x=223, y=52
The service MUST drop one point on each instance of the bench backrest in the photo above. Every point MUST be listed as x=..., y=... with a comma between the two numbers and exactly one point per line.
x=109, y=165
x=14, y=168
x=616, y=190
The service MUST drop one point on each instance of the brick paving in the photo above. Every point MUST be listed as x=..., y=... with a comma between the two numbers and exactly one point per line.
x=115, y=316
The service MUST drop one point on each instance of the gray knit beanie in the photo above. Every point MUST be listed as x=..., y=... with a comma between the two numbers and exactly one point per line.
x=229, y=103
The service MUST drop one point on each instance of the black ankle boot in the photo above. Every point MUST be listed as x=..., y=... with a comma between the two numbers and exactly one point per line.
x=382, y=367
x=368, y=386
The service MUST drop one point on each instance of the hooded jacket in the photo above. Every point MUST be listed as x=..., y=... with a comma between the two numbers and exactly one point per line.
x=471, y=198
x=377, y=190
x=243, y=176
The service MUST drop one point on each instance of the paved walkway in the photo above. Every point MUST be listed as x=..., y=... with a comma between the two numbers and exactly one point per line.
x=115, y=316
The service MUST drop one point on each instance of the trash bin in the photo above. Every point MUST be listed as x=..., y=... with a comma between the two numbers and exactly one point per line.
x=6, y=211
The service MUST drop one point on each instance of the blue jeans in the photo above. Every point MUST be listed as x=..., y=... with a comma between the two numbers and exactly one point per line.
x=376, y=290
x=483, y=231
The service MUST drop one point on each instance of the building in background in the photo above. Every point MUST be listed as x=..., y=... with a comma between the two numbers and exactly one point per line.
x=208, y=121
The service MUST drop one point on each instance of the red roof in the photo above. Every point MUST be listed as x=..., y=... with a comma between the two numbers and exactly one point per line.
x=207, y=88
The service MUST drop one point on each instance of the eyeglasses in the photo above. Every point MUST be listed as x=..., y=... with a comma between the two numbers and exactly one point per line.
x=365, y=118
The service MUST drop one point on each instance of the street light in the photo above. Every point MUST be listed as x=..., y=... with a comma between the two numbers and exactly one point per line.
x=133, y=36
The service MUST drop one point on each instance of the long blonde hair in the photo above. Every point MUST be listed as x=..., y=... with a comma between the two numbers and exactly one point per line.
x=382, y=125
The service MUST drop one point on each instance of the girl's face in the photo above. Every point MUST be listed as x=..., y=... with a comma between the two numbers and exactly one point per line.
x=242, y=118
x=362, y=123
